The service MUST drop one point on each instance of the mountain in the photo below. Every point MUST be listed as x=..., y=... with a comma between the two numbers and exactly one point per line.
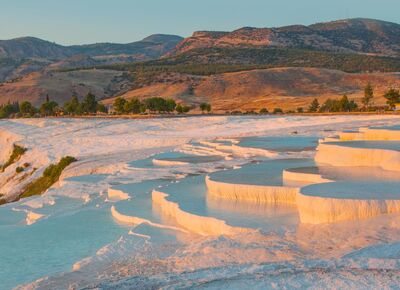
x=28, y=54
x=347, y=36
x=31, y=47
x=287, y=88
x=247, y=69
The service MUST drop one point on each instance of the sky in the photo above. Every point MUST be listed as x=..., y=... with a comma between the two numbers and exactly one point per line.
x=89, y=21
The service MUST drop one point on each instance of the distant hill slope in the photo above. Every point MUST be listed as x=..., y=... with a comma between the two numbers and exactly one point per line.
x=31, y=47
x=61, y=85
x=23, y=55
x=287, y=88
x=349, y=35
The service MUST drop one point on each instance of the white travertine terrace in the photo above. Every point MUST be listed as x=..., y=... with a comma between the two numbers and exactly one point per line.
x=339, y=201
x=337, y=154
x=162, y=162
x=345, y=201
x=255, y=193
x=116, y=194
x=239, y=150
x=133, y=220
x=372, y=134
x=301, y=176
x=201, y=225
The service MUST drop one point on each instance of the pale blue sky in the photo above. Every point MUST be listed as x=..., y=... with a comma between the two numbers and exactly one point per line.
x=89, y=21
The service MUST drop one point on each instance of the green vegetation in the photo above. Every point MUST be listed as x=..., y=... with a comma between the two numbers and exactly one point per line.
x=160, y=105
x=209, y=61
x=17, y=152
x=89, y=105
x=8, y=110
x=48, y=108
x=182, y=109
x=50, y=176
x=27, y=109
x=153, y=105
x=368, y=95
x=205, y=107
x=393, y=97
x=342, y=105
x=264, y=111
x=314, y=106
x=278, y=111
x=19, y=169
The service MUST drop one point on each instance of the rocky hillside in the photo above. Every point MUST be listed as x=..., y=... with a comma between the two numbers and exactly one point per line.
x=247, y=69
x=34, y=87
x=287, y=88
x=349, y=36
x=23, y=55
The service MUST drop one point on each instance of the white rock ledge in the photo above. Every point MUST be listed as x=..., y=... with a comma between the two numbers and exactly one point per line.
x=342, y=155
x=254, y=193
x=201, y=225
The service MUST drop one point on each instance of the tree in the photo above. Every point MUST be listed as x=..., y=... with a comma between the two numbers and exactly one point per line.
x=156, y=104
x=368, y=95
x=73, y=106
x=27, y=109
x=119, y=105
x=170, y=105
x=264, y=111
x=393, y=97
x=278, y=111
x=101, y=108
x=342, y=105
x=205, y=107
x=182, y=109
x=300, y=110
x=8, y=109
x=179, y=109
x=313, y=106
x=89, y=103
x=48, y=108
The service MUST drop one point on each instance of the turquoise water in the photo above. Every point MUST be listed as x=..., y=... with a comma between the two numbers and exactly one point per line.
x=281, y=144
x=355, y=190
x=72, y=232
x=349, y=173
x=191, y=195
x=262, y=173
x=390, y=145
x=395, y=127
x=173, y=156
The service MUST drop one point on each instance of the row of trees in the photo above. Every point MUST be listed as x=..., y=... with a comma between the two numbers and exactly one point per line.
x=392, y=97
x=341, y=105
x=89, y=105
x=153, y=105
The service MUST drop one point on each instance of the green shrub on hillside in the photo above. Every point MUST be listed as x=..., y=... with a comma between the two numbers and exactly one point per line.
x=50, y=176
x=17, y=152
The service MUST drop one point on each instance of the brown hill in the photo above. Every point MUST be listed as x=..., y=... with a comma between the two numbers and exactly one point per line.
x=27, y=54
x=61, y=85
x=287, y=88
x=350, y=36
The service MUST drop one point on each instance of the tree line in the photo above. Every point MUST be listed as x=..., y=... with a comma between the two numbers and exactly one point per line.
x=343, y=104
x=89, y=105
x=154, y=105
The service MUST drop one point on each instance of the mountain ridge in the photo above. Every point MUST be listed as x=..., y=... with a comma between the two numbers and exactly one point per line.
x=355, y=35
